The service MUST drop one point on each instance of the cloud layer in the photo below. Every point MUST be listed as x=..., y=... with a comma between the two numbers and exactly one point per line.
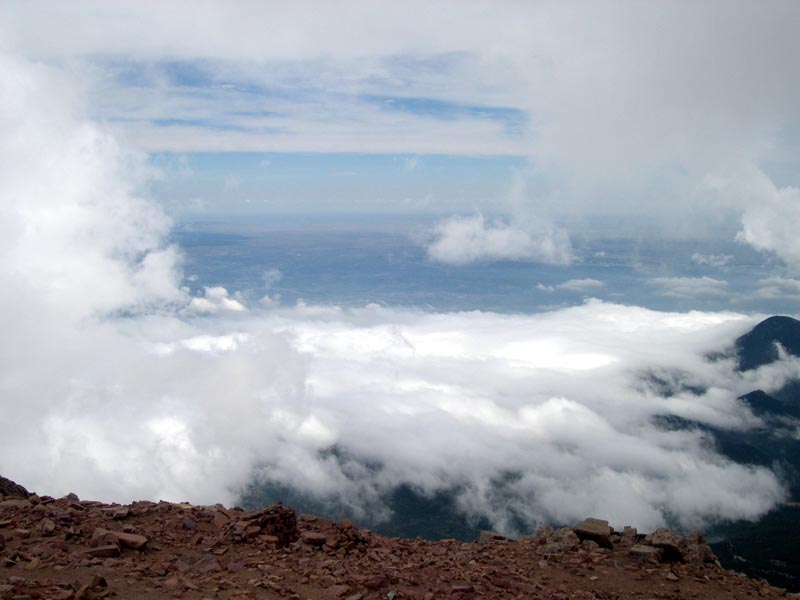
x=110, y=389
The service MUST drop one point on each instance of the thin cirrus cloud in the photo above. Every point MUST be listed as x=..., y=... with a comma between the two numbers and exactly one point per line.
x=711, y=260
x=580, y=286
x=689, y=287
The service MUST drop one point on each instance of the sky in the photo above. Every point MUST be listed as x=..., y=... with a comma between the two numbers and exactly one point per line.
x=513, y=126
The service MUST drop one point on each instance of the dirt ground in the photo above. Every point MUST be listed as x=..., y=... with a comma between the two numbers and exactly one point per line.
x=70, y=549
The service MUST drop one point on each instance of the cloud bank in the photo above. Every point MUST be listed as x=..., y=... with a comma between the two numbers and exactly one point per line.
x=110, y=390
x=463, y=240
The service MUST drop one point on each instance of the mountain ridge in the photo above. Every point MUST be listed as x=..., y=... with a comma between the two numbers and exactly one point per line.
x=72, y=549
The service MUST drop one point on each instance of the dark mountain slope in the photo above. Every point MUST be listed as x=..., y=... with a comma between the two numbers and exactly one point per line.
x=757, y=347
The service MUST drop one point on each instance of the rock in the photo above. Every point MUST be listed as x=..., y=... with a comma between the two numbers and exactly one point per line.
x=313, y=538
x=338, y=590
x=10, y=488
x=590, y=545
x=47, y=527
x=669, y=542
x=105, y=551
x=629, y=535
x=17, y=503
x=102, y=537
x=83, y=592
x=543, y=532
x=121, y=513
x=596, y=530
x=549, y=548
x=131, y=540
x=484, y=537
x=566, y=539
x=376, y=583
x=207, y=564
x=645, y=553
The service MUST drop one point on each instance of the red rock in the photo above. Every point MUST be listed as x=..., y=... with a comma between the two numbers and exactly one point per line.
x=313, y=538
x=131, y=540
x=375, y=583
x=17, y=503
x=121, y=513
x=596, y=530
x=102, y=537
x=108, y=550
x=645, y=553
x=490, y=536
x=47, y=526
x=670, y=542
x=207, y=564
x=338, y=590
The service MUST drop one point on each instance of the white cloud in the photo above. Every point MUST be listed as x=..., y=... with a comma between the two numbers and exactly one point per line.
x=580, y=286
x=711, y=260
x=462, y=240
x=778, y=288
x=689, y=287
x=770, y=223
x=214, y=300
x=106, y=391
x=769, y=213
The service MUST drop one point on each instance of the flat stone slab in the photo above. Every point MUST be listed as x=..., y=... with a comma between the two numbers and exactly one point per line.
x=596, y=530
x=670, y=542
x=645, y=553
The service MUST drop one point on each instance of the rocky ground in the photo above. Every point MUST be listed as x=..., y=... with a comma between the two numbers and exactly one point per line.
x=73, y=549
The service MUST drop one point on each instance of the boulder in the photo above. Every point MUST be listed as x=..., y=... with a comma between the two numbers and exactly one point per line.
x=645, y=553
x=670, y=543
x=131, y=540
x=543, y=532
x=490, y=536
x=596, y=530
x=313, y=538
x=10, y=488
x=566, y=539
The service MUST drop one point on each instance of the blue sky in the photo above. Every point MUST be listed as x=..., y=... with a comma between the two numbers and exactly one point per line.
x=679, y=119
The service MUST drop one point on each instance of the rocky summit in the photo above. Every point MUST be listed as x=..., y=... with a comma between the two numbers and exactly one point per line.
x=72, y=549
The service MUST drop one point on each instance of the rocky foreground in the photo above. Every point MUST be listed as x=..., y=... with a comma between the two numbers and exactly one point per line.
x=72, y=549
